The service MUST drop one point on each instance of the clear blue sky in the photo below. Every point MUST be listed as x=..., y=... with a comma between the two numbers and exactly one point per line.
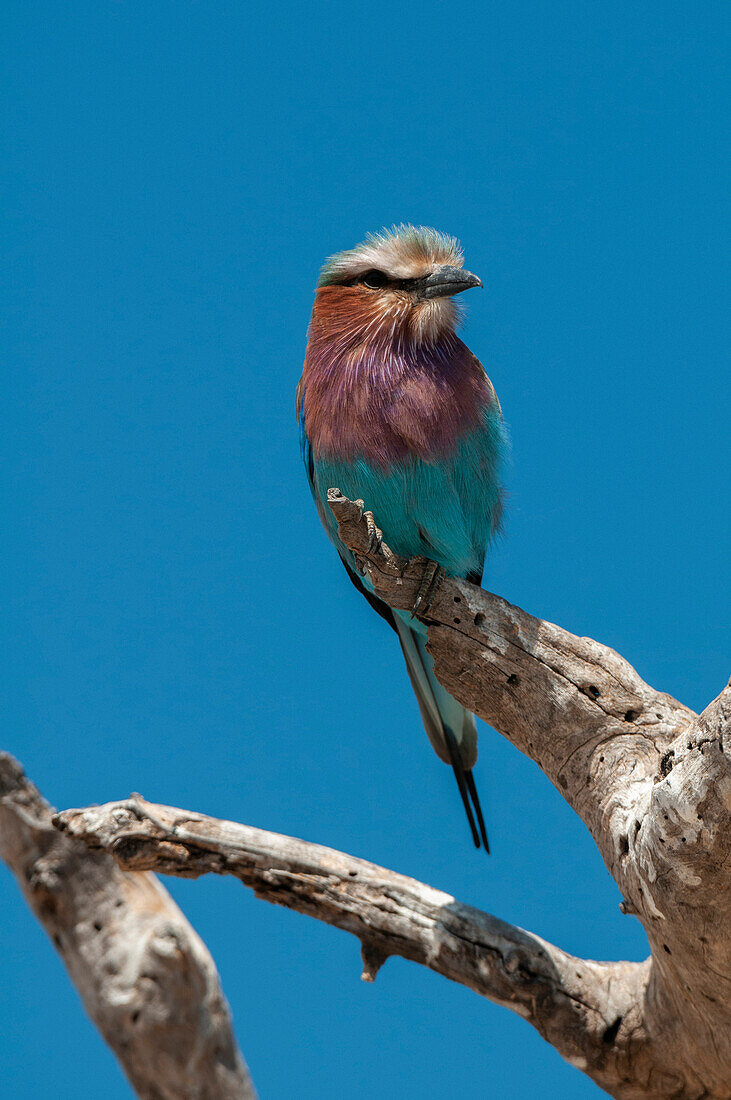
x=174, y=620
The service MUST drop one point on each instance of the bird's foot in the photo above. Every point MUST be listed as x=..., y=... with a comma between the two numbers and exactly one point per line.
x=375, y=538
x=430, y=582
x=375, y=541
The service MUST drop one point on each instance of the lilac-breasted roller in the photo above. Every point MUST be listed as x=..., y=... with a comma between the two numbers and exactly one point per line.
x=395, y=410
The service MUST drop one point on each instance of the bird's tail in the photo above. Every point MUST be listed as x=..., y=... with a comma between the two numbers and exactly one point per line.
x=449, y=726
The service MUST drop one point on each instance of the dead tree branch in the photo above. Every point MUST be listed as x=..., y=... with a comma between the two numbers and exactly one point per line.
x=146, y=978
x=650, y=779
x=575, y=1004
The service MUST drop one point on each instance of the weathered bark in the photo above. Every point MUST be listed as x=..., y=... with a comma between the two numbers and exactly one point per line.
x=146, y=978
x=650, y=779
x=575, y=1004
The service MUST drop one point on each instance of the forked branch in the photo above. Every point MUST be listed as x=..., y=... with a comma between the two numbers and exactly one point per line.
x=650, y=779
x=146, y=978
x=575, y=1004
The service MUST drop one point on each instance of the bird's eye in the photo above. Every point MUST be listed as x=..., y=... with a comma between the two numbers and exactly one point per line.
x=374, y=279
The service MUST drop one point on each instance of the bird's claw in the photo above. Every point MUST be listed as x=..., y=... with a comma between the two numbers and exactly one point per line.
x=428, y=585
x=375, y=538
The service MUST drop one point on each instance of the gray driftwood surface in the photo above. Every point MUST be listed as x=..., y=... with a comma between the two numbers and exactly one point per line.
x=650, y=779
x=146, y=978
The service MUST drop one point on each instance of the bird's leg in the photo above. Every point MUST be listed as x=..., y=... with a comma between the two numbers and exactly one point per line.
x=430, y=581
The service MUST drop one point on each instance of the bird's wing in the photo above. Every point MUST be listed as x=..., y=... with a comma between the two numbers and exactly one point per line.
x=476, y=477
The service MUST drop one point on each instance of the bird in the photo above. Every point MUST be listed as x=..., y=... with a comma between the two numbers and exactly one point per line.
x=395, y=410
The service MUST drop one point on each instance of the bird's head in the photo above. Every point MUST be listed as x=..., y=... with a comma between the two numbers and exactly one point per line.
x=401, y=281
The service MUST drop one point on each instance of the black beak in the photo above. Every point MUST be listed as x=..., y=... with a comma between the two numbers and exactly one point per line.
x=446, y=281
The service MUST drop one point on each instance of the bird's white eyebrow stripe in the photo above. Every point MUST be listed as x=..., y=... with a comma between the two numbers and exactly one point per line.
x=403, y=252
